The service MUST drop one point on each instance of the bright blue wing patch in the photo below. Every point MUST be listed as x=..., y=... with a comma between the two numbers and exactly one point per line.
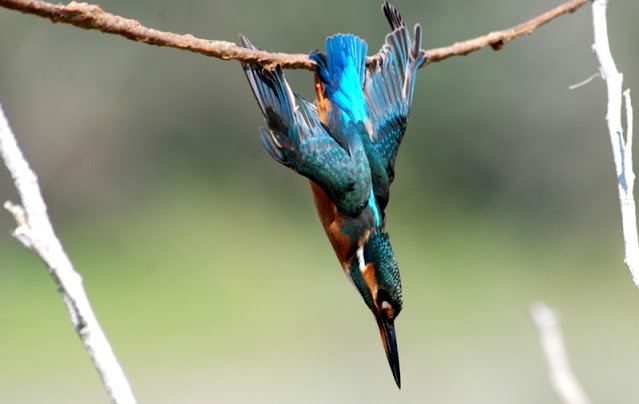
x=342, y=71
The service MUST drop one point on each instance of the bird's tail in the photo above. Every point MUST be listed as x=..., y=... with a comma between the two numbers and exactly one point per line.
x=341, y=71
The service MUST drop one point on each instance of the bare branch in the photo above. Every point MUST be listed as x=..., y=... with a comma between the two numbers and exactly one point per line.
x=629, y=129
x=621, y=148
x=561, y=375
x=90, y=16
x=36, y=233
x=498, y=39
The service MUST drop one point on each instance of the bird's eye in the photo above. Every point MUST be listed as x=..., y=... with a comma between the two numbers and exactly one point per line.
x=384, y=303
x=382, y=296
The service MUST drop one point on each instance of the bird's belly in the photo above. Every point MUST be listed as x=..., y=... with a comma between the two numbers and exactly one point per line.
x=332, y=222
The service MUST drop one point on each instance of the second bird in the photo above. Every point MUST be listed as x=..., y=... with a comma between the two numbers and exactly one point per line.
x=345, y=144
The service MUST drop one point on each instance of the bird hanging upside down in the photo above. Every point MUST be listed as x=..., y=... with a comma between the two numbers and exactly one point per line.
x=345, y=144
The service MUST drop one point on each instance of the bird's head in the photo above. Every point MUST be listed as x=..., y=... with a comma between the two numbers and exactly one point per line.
x=374, y=271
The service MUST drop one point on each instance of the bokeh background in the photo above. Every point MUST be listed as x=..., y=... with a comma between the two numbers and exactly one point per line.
x=205, y=260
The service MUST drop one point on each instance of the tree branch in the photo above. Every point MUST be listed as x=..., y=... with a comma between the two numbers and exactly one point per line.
x=90, y=16
x=498, y=39
x=36, y=233
x=561, y=375
x=621, y=148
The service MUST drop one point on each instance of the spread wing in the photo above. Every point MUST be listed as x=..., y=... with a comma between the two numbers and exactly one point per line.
x=298, y=139
x=389, y=85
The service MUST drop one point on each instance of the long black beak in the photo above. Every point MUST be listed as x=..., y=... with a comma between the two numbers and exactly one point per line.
x=387, y=331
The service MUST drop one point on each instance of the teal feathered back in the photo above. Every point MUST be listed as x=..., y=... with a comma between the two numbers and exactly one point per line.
x=342, y=70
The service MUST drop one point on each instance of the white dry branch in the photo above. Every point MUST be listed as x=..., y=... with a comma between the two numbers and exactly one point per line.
x=621, y=147
x=36, y=233
x=561, y=375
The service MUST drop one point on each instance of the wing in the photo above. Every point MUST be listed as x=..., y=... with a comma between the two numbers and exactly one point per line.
x=389, y=87
x=297, y=139
x=339, y=82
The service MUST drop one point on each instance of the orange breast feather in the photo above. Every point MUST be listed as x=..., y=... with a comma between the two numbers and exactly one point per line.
x=323, y=104
x=331, y=221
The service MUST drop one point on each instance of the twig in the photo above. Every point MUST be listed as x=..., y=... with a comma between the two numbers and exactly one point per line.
x=621, y=148
x=36, y=233
x=561, y=375
x=90, y=16
x=584, y=82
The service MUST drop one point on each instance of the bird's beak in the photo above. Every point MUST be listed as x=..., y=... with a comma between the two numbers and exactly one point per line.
x=387, y=331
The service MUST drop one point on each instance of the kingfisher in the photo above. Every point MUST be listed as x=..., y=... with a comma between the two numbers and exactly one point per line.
x=346, y=143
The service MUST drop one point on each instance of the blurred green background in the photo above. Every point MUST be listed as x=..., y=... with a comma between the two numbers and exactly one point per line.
x=205, y=260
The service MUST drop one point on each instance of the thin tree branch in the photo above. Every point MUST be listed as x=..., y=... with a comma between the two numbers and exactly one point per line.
x=562, y=377
x=621, y=147
x=498, y=39
x=36, y=233
x=90, y=16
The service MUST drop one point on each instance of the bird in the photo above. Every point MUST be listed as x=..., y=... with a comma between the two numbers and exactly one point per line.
x=346, y=144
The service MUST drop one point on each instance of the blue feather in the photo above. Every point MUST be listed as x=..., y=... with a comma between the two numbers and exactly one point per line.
x=344, y=75
x=389, y=87
x=297, y=138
